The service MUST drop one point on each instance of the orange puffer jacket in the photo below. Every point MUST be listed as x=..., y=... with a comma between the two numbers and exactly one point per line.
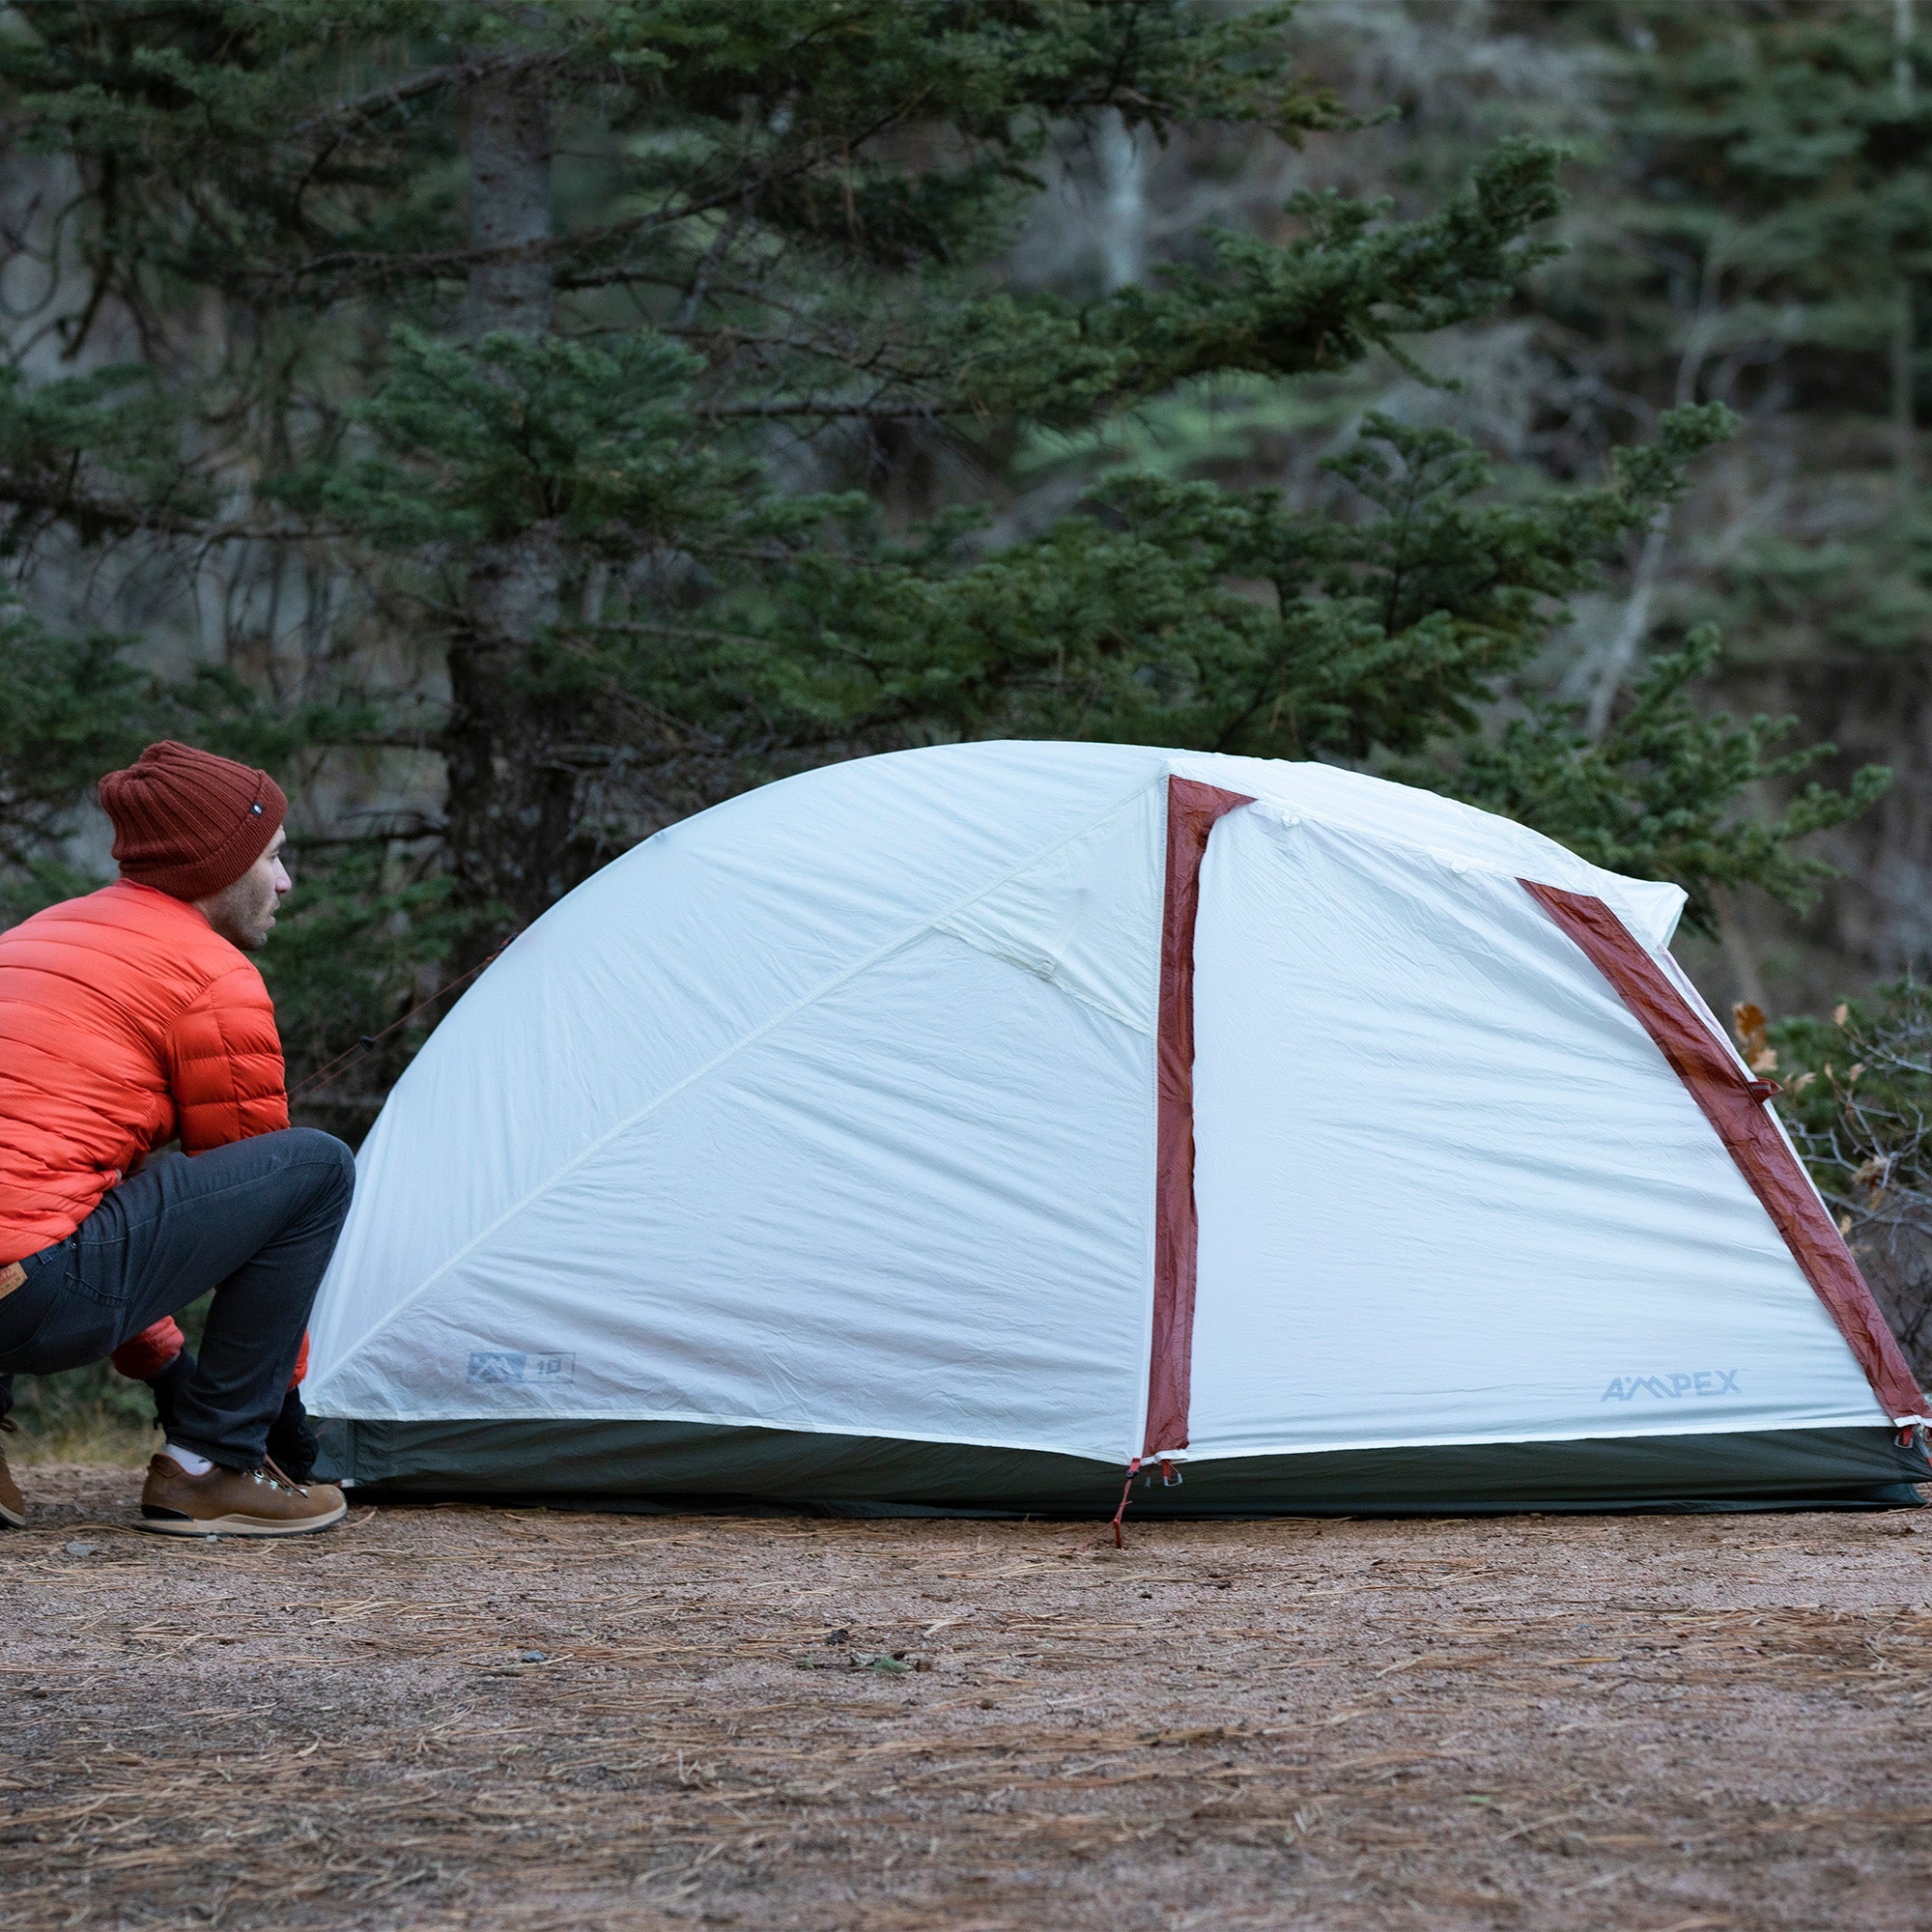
x=126, y=1020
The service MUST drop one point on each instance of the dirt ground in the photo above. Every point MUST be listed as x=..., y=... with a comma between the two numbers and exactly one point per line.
x=464, y=1716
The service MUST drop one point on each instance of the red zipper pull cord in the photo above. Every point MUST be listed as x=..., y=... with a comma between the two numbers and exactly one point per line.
x=1127, y=1490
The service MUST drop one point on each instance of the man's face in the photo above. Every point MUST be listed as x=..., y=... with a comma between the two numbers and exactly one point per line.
x=244, y=913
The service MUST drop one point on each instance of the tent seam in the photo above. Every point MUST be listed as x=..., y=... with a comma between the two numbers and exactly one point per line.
x=1459, y=863
x=1680, y=1426
x=1668, y=1425
x=1052, y=981
x=1108, y=1461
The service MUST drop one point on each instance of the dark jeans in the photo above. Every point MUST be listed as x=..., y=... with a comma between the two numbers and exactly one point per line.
x=256, y=1221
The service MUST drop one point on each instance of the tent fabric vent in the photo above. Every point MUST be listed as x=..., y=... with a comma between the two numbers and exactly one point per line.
x=1192, y=812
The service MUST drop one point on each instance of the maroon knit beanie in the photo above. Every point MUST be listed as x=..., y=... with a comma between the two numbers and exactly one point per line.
x=189, y=823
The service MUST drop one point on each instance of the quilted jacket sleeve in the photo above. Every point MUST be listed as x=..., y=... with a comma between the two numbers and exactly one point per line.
x=143, y=1356
x=224, y=1061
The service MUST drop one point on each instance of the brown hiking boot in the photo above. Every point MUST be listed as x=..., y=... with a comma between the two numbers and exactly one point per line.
x=234, y=1502
x=13, y=1505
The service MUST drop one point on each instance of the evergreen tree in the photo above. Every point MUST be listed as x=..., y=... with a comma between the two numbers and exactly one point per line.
x=1767, y=244
x=547, y=356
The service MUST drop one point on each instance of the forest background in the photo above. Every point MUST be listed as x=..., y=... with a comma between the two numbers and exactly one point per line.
x=521, y=426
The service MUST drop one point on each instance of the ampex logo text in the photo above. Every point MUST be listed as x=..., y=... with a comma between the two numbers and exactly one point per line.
x=507, y=1364
x=1692, y=1383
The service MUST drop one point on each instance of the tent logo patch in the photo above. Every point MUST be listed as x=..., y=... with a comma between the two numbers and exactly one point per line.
x=509, y=1365
x=1694, y=1384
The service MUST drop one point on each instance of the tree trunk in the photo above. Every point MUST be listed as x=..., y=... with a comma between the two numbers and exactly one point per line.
x=1605, y=671
x=1904, y=343
x=510, y=204
x=512, y=795
x=1625, y=644
x=1123, y=158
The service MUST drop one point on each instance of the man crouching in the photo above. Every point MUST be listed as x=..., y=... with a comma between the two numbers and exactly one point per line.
x=127, y=1019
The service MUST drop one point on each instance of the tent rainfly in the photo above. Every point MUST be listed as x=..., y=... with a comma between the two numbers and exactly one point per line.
x=968, y=1126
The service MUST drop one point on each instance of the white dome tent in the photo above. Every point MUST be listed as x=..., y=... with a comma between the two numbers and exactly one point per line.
x=965, y=1127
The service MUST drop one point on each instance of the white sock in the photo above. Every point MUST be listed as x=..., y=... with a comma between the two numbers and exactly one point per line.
x=195, y=1466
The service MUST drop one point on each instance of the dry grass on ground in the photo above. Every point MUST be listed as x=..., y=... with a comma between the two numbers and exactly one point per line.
x=463, y=1716
x=81, y=1415
x=88, y=1436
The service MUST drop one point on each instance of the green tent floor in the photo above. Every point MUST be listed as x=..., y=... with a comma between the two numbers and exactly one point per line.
x=683, y=1464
